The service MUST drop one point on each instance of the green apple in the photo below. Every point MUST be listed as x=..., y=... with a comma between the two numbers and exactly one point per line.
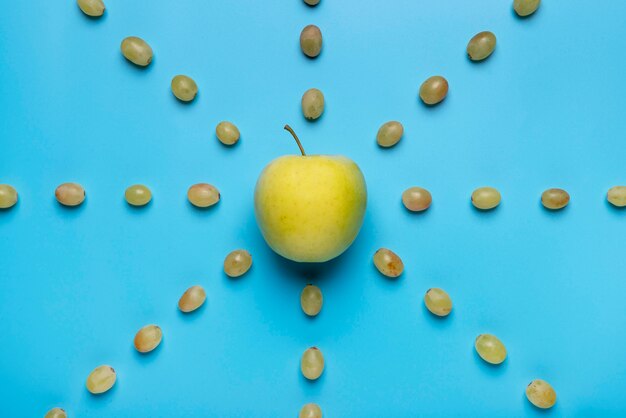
x=310, y=207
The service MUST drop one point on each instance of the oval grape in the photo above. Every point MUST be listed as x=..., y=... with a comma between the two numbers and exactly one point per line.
x=486, y=198
x=312, y=363
x=434, y=90
x=490, y=348
x=526, y=7
x=101, y=379
x=481, y=46
x=310, y=410
x=311, y=41
x=93, y=8
x=237, y=263
x=137, y=51
x=541, y=394
x=184, y=88
x=148, y=338
x=227, y=133
x=311, y=300
x=313, y=104
x=192, y=299
x=416, y=199
x=388, y=263
x=138, y=195
x=70, y=194
x=616, y=196
x=56, y=413
x=555, y=199
x=8, y=196
x=438, y=302
x=203, y=195
x=389, y=134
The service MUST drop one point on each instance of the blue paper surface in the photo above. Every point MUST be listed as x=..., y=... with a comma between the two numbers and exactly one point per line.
x=545, y=110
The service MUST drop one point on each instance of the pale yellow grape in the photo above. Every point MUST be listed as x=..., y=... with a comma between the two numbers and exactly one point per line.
x=416, y=199
x=541, y=394
x=312, y=104
x=184, y=88
x=311, y=41
x=310, y=410
x=137, y=51
x=525, y=7
x=93, y=8
x=481, y=46
x=555, y=199
x=101, y=379
x=312, y=3
x=490, y=348
x=311, y=300
x=388, y=263
x=138, y=195
x=56, y=413
x=616, y=196
x=192, y=299
x=389, y=134
x=8, y=196
x=237, y=263
x=203, y=195
x=438, y=302
x=227, y=133
x=486, y=198
x=312, y=363
x=434, y=90
x=70, y=194
x=148, y=338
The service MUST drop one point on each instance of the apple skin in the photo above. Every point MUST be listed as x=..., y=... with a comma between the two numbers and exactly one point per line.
x=310, y=208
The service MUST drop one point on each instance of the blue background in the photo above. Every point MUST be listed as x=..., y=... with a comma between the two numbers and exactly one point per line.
x=546, y=110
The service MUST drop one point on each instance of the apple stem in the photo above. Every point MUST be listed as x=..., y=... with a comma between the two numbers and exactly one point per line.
x=288, y=128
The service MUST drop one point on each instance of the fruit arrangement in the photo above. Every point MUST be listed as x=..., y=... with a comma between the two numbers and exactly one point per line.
x=310, y=208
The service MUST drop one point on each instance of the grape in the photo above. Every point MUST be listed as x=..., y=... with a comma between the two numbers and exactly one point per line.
x=312, y=3
x=56, y=413
x=490, y=348
x=486, y=198
x=311, y=300
x=203, y=195
x=310, y=410
x=237, y=263
x=184, y=88
x=311, y=41
x=101, y=379
x=434, y=90
x=312, y=364
x=137, y=51
x=416, y=199
x=388, y=263
x=438, y=302
x=525, y=7
x=93, y=8
x=555, y=199
x=70, y=194
x=192, y=299
x=481, y=46
x=227, y=133
x=148, y=338
x=616, y=196
x=8, y=196
x=541, y=394
x=389, y=134
x=312, y=104
x=138, y=195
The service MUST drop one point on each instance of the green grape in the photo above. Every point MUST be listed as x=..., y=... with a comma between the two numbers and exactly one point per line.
x=312, y=3
x=70, y=194
x=101, y=379
x=616, y=196
x=311, y=300
x=490, y=348
x=311, y=41
x=312, y=104
x=237, y=263
x=56, y=413
x=8, y=196
x=434, y=90
x=138, y=195
x=555, y=199
x=389, y=134
x=388, y=263
x=541, y=394
x=137, y=51
x=481, y=46
x=203, y=195
x=438, y=302
x=184, y=88
x=310, y=410
x=486, y=198
x=148, y=338
x=93, y=8
x=525, y=7
x=312, y=364
x=416, y=199
x=192, y=299
x=227, y=133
